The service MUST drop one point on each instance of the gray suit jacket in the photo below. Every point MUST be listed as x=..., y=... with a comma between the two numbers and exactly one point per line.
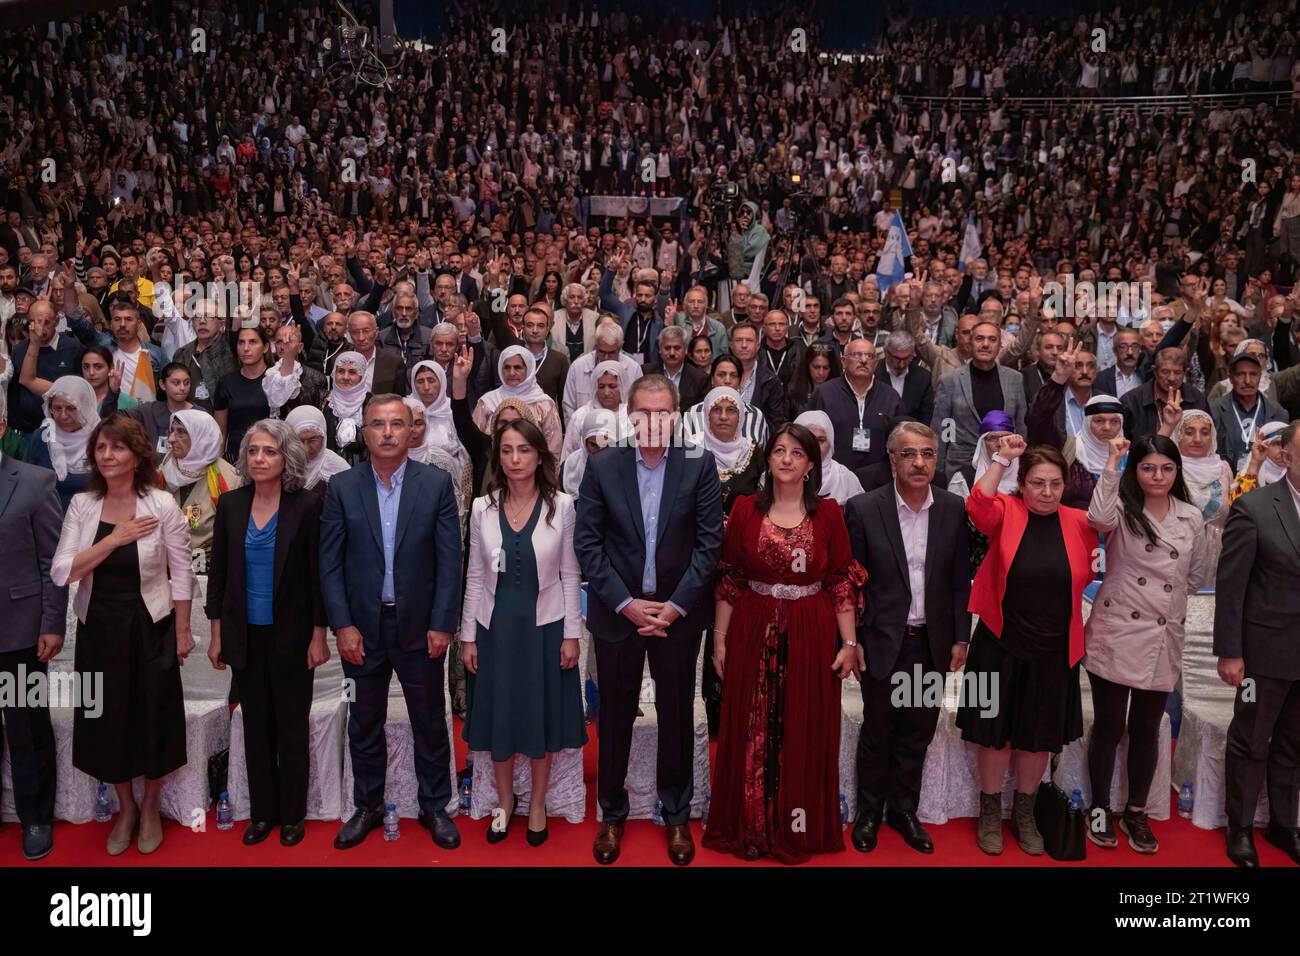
x=30, y=521
x=957, y=421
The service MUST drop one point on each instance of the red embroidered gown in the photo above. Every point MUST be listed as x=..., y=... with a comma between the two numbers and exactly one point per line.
x=776, y=773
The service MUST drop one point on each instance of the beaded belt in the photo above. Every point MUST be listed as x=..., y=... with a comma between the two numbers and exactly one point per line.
x=786, y=592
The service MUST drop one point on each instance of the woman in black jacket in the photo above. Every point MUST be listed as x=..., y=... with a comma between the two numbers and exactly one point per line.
x=268, y=619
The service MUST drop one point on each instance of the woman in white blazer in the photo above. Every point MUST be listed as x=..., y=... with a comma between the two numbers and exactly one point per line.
x=521, y=621
x=126, y=544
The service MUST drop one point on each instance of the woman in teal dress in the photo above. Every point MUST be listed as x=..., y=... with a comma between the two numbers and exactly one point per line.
x=521, y=622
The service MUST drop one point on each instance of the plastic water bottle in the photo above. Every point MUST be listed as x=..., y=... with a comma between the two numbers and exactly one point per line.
x=466, y=793
x=1076, y=799
x=392, y=826
x=1185, y=801
x=225, y=812
x=658, y=815
x=103, y=812
x=844, y=812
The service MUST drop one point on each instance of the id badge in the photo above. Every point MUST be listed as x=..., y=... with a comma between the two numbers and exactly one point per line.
x=861, y=439
x=162, y=447
x=638, y=357
x=202, y=391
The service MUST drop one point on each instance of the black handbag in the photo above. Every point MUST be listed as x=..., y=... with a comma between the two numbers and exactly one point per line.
x=1062, y=828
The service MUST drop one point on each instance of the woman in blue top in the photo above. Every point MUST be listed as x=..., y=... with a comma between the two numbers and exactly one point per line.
x=268, y=619
x=60, y=443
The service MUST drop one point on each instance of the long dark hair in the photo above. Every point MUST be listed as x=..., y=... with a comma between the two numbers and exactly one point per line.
x=730, y=360
x=811, y=487
x=1131, y=494
x=801, y=385
x=121, y=427
x=497, y=487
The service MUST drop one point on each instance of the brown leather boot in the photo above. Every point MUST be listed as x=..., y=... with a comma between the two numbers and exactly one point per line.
x=988, y=835
x=681, y=846
x=606, y=847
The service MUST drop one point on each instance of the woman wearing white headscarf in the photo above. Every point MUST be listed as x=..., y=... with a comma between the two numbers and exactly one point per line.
x=429, y=389
x=322, y=463
x=345, y=407
x=610, y=397
x=1208, y=477
x=71, y=414
x=595, y=433
x=518, y=372
x=837, y=481
x=739, y=460
x=1264, y=465
x=197, y=475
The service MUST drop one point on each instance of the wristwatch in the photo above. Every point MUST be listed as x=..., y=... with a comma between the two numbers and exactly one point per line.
x=1002, y=460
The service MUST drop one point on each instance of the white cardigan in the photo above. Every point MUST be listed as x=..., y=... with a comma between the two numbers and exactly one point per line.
x=558, y=575
x=163, y=553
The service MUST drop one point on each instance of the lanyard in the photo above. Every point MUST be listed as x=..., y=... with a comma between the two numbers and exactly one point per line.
x=785, y=354
x=1249, y=423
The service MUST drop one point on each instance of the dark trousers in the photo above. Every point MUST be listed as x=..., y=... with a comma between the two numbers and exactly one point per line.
x=1264, y=741
x=31, y=744
x=893, y=740
x=277, y=707
x=619, y=666
x=422, y=683
x=1111, y=704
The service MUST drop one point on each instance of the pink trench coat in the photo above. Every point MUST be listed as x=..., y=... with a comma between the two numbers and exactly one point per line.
x=1134, y=635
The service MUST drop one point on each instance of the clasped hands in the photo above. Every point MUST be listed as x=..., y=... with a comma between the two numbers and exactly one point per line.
x=652, y=618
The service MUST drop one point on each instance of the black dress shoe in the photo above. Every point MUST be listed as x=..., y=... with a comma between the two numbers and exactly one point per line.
x=444, y=831
x=537, y=837
x=1286, y=839
x=257, y=831
x=914, y=834
x=358, y=828
x=1241, y=846
x=291, y=834
x=864, y=834
x=38, y=841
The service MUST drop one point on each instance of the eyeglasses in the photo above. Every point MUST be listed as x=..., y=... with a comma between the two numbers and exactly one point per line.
x=912, y=454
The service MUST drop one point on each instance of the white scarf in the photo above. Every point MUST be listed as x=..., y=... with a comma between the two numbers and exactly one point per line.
x=205, y=448
x=420, y=452
x=1200, y=474
x=437, y=416
x=837, y=481
x=728, y=454
x=308, y=419
x=68, y=449
x=347, y=403
x=575, y=463
x=1008, y=484
x=1089, y=450
x=281, y=388
x=609, y=368
x=1268, y=471
x=527, y=391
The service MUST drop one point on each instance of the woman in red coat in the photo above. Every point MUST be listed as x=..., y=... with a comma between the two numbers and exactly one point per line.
x=1024, y=656
x=783, y=640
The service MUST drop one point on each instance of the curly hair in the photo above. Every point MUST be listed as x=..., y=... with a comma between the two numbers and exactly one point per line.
x=120, y=427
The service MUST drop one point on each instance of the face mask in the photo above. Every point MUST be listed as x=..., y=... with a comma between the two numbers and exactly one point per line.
x=1012, y=328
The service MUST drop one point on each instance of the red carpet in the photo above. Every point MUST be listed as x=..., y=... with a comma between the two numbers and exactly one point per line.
x=1181, y=844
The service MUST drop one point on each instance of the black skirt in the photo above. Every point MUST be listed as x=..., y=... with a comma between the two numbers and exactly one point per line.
x=1036, y=705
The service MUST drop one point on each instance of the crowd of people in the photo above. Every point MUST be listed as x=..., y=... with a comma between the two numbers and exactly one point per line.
x=300, y=356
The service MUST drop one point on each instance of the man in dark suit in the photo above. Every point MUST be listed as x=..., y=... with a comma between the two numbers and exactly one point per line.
x=908, y=377
x=1144, y=406
x=405, y=336
x=759, y=385
x=648, y=538
x=390, y=572
x=861, y=406
x=34, y=612
x=1050, y=345
x=915, y=625
x=692, y=381
x=552, y=363
x=1257, y=641
x=386, y=369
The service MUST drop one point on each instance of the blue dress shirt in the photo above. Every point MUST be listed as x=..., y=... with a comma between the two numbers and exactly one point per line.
x=389, y=502
x=650, y=489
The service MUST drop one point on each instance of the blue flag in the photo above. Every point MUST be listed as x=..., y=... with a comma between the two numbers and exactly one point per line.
x=971, y=248
x=891, y=267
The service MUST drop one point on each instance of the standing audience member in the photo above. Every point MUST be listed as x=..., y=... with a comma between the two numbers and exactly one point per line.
x=62, y=444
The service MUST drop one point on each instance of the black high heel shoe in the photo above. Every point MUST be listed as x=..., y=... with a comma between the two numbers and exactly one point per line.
x=494, y=835
x=537, y=837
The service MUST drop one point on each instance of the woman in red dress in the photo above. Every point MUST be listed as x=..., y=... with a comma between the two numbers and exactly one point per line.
x=783, y=640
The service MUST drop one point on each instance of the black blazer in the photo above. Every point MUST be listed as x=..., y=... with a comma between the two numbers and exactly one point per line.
x=609, y=539
x=694, y=384
x=1257, y=605
x=918, y=392
x=877, y=541
x=31, y=517
x=298, y=604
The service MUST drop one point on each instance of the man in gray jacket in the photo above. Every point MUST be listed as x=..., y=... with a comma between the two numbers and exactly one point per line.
x=34, y=612
x=966, y=395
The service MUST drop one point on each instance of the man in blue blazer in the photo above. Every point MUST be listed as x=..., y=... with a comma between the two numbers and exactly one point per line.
x=648, y=538
x=34, y=613
x=390, y=572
